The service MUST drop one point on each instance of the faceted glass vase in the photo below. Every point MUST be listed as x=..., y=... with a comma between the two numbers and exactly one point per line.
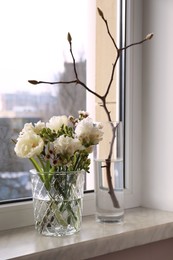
x=109, y=172
x=58, y=202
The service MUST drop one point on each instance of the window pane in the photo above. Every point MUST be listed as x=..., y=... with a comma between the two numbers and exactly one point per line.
x=34, y=46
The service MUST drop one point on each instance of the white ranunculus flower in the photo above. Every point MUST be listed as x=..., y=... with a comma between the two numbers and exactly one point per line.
x=67, y=145
x=88, y=133
x=28, y=145
x=28, y=127
x=39, y=126
x=56, y=122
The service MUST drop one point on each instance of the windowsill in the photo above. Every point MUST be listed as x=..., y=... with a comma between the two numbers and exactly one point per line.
x=141, y=226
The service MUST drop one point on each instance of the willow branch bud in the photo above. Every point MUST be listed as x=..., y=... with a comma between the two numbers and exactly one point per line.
x=69, y=38
x=34, y=82
x=149, y=36
x=100, y=12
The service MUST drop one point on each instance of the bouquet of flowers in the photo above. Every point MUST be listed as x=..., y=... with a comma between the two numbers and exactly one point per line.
x=57, y=149
x=62, y=144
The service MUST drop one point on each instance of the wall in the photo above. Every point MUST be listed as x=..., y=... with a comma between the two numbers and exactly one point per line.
x=155, y=251
x=157, y=105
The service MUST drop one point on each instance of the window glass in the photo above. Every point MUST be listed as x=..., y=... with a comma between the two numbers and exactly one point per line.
x=34, y=46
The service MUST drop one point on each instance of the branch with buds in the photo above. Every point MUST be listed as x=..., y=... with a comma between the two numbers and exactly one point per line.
x=103, y=97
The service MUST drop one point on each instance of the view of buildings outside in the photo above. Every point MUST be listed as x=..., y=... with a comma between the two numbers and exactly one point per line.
x=19, y=101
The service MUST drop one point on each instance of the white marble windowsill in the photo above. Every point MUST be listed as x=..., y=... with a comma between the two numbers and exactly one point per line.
x=141, y=226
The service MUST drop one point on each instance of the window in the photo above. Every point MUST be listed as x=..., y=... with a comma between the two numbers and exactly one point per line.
x=34, y=46
x=25, y=209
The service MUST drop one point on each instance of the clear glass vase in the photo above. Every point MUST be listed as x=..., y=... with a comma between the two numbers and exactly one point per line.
x=109, y=181
x=58, y=202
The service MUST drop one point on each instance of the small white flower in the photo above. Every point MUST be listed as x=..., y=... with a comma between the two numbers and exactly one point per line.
x=83, y=113
x=67, y=145
x=56, y=122
x=28, y=145
x=39, y=126
x=88, y=133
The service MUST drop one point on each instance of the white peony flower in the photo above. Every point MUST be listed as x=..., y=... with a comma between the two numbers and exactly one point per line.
x=28, y=145
x=56, y=122
x=67, y=145
x=88, y=133
x=39, y=126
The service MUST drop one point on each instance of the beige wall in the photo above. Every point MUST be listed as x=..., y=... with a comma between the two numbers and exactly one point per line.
x=105, y=56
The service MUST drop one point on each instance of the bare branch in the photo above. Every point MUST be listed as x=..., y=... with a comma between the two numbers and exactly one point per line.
x=112, y=76
x=35, y=82
x=148, y=37
x=107, y=27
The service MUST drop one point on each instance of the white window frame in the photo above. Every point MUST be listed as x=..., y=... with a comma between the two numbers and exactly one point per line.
x=14, y=215
x=133, y=106
x=21, y=214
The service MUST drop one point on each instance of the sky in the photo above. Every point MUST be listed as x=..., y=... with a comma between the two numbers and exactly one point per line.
x=34, y=42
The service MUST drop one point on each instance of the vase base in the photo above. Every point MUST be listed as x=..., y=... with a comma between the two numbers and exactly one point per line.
x=110, y=218
x=58, y=232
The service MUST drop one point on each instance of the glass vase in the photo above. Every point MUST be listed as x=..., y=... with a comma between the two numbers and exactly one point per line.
x=109, y=181
x=58, y=202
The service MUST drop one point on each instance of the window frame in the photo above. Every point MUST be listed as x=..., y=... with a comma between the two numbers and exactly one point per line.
x=21, y=214
x=133, y=106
